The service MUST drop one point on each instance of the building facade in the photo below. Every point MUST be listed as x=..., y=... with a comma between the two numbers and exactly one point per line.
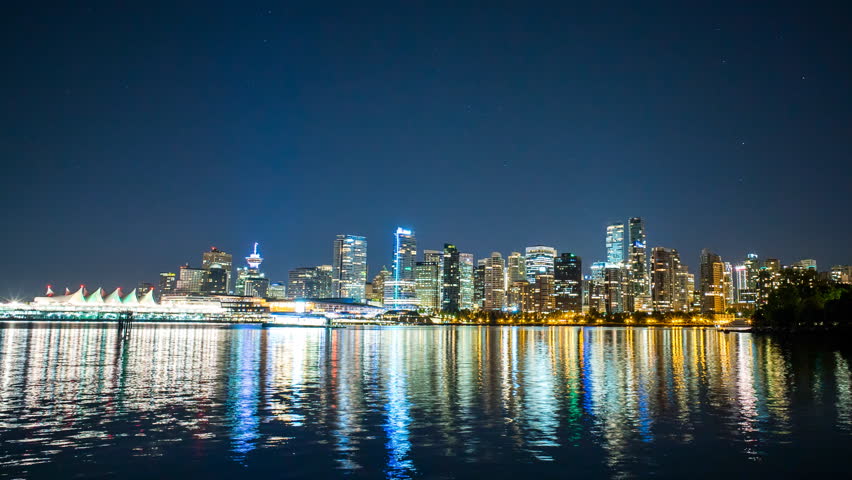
x=349, y=269
x=539, y=259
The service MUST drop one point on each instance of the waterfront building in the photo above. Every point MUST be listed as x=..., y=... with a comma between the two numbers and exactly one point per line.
x=428, y=285
x=712, y=282
x=168, y=283
x=740, y=285
x=466, y=281
x=436, y=257
x=539, y=259
x=543, y=294
x=145, y=287
x=568, y=282
x=613, y=289
x=597, y=299
x=519, y=297
x=190, y=281
x=400, y=291
x=615, y=244
x=638, y=279
x=494, y=282
x=515, y=268
x=479, y=284
x=451, y=281
x=309, y=282
x=349, y=270
x=277, y=291
x=256, y=286
x=377, y=293
x=219, y=259
x=666, y=294
x=214, y=280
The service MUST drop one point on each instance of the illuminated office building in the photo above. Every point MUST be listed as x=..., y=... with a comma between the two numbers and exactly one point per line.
x=428, y=285
x=568, y=282
x=515, y=268
x=666, y=295
x=615, y=244
x=309, y=282
x=377, y=292
x=168, y=283
x=494, y=282
x=223, y=260
x=466, y=289
x=712, y=290
x=543, y=294
x=539, y=259
x=479, y=284
x=613, y=289
x=638, y=289
x=349, y=270
x=451, y=281
x=190, y=281
x=214, y=280
x=277, y=291
x=400, y=291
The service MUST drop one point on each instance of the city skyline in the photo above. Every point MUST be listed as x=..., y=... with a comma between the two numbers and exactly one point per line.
x=724, y=125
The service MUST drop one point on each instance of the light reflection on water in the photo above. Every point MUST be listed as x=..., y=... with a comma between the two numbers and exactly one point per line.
x=418, y=402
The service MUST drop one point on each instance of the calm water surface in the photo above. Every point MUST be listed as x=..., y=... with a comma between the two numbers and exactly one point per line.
x=418, y=402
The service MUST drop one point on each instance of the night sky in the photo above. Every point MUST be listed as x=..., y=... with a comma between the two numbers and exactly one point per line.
x=134, y=138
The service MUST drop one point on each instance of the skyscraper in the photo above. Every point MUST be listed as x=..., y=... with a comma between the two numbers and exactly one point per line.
x=349, y=270
x=190, y=281
x=450, y=289
x=613, y=289
x=225, y=261
x=309, y=282
x=543, y=293
x=615, y=244
x=638, y=288
x=479, y=284
x=466, y=281
x=515, y=268
x=712, y=282
x=378, y=284
x=568, y=282
x=400, y=293
x=494, y=282
x=428, y=286
x=665, y=289
x=538, y=260
x=436, y=257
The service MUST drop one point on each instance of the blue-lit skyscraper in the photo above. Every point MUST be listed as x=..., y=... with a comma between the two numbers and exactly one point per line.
x=400, y=291
x=615, y=244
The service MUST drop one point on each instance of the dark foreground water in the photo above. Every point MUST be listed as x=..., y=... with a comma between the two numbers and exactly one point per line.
x=426, y=402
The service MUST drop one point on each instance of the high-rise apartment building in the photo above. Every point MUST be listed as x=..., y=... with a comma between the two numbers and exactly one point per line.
x=377, y=293
x=494, y=282
x=428, y=285
x=712, y=271
x=543, y=294
x=666, y=295
x=613, y=289
x=466, y=281
x=519, y=297
x=539, y=259
x=349, y=269
x=568, y=282
x=223, y=260
x=479, y=284
x=451, y=282
x=638, y=289
x=515, y=268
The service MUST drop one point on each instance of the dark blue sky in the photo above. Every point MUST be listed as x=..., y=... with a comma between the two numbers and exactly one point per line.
x=134, y=138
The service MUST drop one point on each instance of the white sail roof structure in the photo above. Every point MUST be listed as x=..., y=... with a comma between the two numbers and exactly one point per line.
x=114, y=298
x=130, y=299
x=96, y=297
x=76, y=298
x=148, y=299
